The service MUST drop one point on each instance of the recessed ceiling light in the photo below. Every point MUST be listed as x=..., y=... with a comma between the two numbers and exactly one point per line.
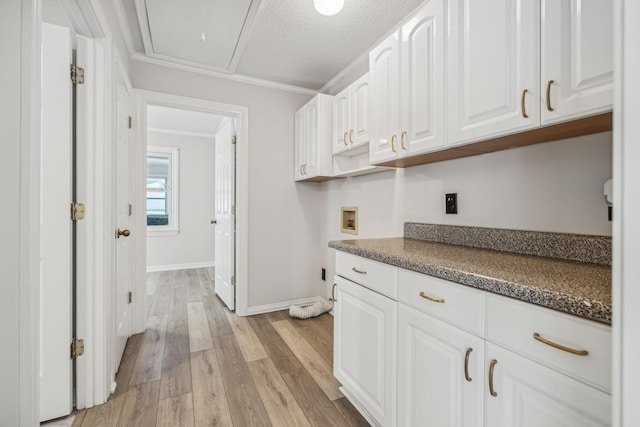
x=328, y=7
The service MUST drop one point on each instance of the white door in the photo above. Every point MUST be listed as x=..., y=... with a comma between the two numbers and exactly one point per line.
x=440, y=373
x=364, y=358
x=359, y=112
x=423, y=80
x=123, y=220
x=494, y=71
x=577, y=62
x=312, y=114
x=55, y=225
x=530, y=395
x=385, y=99
x=300, y=144
x=341, y=105
x=225, y=196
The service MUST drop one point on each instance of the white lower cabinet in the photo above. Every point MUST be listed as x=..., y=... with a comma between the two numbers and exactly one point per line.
x=365, y=348
x=527, y=394
x=440, y=373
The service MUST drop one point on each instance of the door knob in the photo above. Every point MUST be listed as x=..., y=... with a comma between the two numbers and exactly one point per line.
x=214, y=221
x=125, y=233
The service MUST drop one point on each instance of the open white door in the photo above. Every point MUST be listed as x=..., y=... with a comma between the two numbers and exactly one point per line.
x=56, y=387
x=225, y=194
x=123, y=219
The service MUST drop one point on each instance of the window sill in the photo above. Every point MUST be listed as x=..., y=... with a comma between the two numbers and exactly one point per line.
x=154, y=232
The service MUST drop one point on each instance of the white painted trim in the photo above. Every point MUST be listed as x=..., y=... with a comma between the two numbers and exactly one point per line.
x=268, y=308
x=124, y=26
x=185, y=266
x=247, y=29
x=143, y=21
x=200, y=69
x=241, y=113
x=174, y=192
x=181, y=132
x=356, y=404
x=29, y=250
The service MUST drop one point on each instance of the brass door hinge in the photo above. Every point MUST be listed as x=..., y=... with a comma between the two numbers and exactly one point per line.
x=233, y=139
x=233, y=210
x=233, y=280
x=130, y=122
x=130, y=297
x=77, y=348
x=77, y=75
x=77, y=211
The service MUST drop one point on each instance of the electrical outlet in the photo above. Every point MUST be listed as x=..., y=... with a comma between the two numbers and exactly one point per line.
x=324, y=274
x=451, y=203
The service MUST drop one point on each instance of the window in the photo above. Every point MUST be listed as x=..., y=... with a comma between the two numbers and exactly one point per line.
x=162, y=190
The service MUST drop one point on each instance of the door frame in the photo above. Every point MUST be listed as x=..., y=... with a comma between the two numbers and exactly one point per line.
x=143, y=99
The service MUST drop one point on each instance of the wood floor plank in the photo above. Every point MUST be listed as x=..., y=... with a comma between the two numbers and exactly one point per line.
x=316, y=406
x=176, y=366
x=178, y=303
x=106, y=415
x=317, y=366
x=148, y=366
x=206, y=283
x=280, y=354
x=251, y=347
x=218, y=323
x=79, y=418
x=274, y=316
x=350, y=413
x=162, y=296
x=153, y=279
x=179, y=278
x=194, y=294
x=281, y=406
x=140, y=406
x=125, y=371
x=319, y=333
x=199, y=334
x=176, y=411
x=244, y=401
x=209, y=399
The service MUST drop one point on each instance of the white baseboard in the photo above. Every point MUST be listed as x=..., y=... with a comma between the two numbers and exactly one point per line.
x=268, y=308
x=365, y=414
x=169, y=267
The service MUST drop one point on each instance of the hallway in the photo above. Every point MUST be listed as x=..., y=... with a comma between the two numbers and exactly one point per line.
x=198, y=364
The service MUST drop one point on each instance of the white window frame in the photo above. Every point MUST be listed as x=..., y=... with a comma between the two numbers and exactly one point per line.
x=173, y=153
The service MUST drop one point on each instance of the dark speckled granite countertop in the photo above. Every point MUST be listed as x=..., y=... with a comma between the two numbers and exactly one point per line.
x=579, y=288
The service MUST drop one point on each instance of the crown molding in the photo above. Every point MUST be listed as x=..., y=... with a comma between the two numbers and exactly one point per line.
x=181, y=133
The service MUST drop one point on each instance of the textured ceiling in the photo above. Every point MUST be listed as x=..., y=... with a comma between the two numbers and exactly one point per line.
x=283, y=41
x=166, y=119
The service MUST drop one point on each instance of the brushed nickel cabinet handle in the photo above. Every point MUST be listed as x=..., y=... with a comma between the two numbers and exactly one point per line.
x=466, y=364
x=402, y=138
x=333, y=292
x=537, y=336
x=522, y=98
x=358, y=271
x=344, y=138
x=549, y=83
x=351, y=136
x=393, y=143
x=438, y=300
x=493, y=364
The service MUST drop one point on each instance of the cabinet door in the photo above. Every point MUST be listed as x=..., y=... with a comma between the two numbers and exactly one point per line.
x=432, y=387
x=300, y=144
x=359, y=112
x=385, y=98
x=577, y=56
x=494, y=55
x=422, y=80
x=365, y=348
x=312, y=139
x=341, y=110
x=531, y=395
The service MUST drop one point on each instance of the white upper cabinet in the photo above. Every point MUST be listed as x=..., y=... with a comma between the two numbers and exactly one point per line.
x=494, y=80
x=577, y=58
x=408, y=86
x=313, y=140
x=351, y=118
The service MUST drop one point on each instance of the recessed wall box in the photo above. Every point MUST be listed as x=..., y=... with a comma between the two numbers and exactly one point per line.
x=349, y=220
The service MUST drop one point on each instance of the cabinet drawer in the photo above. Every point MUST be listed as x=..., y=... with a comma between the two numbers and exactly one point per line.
x=456, y=304
x=513, y=324
x=374, y=275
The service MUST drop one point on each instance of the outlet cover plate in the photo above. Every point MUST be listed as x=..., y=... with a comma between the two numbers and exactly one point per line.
x=451, y=203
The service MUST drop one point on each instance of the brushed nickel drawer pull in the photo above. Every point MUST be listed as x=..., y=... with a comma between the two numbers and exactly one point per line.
x=438, y=300
x=522, y=106
x=466, y=364
x=358, y=271
x=559, y=346
x=549, y=107
x=333, y=292
x=493, y=364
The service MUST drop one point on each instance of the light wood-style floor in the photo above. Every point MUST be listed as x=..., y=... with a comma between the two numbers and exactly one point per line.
x=198, y=364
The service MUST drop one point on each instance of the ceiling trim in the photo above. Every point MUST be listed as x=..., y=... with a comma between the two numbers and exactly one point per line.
x=247, y=29
x=182, y=132
x=234, y=77
x=124, y=27
x=145, y=32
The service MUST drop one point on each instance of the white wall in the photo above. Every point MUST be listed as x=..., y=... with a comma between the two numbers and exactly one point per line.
x=284, y=231
x=556, y=186
x=9, y=215
x=194, y=244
